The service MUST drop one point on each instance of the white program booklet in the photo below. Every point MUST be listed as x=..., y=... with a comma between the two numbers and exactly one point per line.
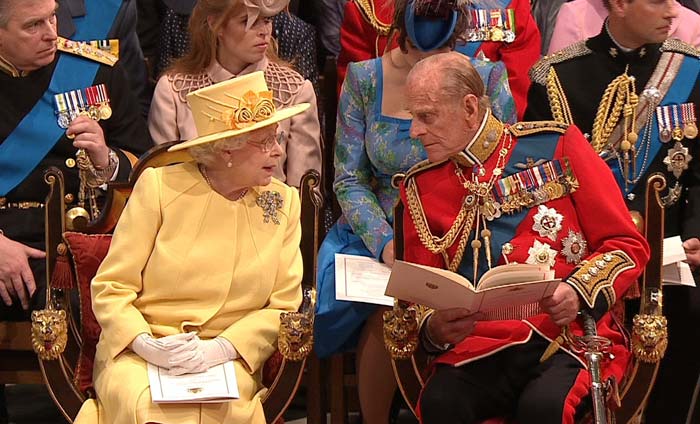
x=675, y=271
x=361, y=279
x=217, y=384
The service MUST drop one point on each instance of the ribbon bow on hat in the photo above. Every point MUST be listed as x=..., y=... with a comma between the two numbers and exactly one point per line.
x=265, y=8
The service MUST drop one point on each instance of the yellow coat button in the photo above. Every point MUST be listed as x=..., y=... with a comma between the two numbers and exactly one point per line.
x=70, y=162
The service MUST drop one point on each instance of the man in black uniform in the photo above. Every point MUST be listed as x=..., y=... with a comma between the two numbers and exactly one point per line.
x=635, y=93
x=33, y=71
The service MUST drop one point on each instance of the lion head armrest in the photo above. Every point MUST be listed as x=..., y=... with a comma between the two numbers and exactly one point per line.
x=402, y=327
x=296, y=334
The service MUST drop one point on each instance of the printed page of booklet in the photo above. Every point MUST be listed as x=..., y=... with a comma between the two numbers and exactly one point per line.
x=215, y=385
x=361, y=279
x=675, y=271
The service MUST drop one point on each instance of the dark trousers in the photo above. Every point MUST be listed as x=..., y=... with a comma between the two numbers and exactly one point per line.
x=511, y=383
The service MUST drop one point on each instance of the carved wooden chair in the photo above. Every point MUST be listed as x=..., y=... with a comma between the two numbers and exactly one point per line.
x=73, y=257
x=625, y=400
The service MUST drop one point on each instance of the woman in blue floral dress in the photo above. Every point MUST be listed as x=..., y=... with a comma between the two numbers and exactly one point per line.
x=373, y=144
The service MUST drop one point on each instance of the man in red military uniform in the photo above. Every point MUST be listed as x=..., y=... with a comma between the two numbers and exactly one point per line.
x=531, y=193
x=501, y=30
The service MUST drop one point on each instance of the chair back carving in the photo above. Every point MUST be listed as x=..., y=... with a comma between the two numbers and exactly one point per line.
x=649, y=336
x=296, y=332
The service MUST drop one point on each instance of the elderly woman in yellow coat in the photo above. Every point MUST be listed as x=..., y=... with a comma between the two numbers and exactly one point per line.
x=203, y=261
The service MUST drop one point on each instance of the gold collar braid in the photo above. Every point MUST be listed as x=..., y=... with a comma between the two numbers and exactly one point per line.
x=10, y=69
x=367, y=9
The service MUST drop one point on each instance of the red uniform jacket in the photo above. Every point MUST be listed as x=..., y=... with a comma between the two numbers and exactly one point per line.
x=613, y=259
x=362, y=39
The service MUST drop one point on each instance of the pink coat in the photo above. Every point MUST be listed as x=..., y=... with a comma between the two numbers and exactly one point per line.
x=171, y=119
x=581, y=19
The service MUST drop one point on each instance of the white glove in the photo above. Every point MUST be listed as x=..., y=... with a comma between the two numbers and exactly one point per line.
x=209, y=353
x=160, y=351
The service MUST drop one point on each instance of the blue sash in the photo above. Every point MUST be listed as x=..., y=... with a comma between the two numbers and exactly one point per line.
x=38, y=131
x=678, y=93
x=540, y=145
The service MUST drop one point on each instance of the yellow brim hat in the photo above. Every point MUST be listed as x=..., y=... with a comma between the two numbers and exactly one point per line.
x=234, y=107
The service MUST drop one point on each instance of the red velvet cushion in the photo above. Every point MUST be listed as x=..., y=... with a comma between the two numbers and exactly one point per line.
x=87, y=250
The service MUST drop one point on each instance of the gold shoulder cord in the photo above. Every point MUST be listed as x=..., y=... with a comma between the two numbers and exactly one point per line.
x=367, y=9
x=619, y=97
x=557, y=99
x=462, y=225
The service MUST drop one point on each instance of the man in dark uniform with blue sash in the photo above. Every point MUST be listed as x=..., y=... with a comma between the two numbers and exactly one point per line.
x=490, y=194
x=635, y=93
x=33, y=72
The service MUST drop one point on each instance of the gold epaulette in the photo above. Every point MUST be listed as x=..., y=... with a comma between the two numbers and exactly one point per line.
x=421, y=167
x=83, y=49
x=367, y=9
x=677, y=46
x=521, y=129
x=540, y=70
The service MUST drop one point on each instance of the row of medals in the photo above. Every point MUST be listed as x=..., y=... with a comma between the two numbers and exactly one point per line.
x=673, y=129
x=492, y=25
x=96, y=111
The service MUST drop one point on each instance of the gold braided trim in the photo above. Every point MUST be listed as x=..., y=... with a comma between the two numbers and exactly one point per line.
x=559, y=105
x=619, y=96
x=598, y=275
x=661, y=80
x=461, y=227
x=675, y=45
x=367, y=10
x=421, y=166
x=486, y=141
x=539, y=72
x=9, y=69
x=522, y=129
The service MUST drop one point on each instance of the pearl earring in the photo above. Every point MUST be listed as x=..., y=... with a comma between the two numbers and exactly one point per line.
x=229, y=165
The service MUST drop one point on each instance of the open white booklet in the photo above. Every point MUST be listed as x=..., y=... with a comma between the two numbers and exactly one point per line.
x=361, y=279
x=675, y=271
x=503, y=292
x=217, y=384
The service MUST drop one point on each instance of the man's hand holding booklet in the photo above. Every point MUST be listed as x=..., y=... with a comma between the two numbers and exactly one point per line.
x=509, y=291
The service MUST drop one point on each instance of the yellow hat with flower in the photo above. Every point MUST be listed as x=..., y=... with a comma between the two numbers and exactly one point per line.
x=234, y=107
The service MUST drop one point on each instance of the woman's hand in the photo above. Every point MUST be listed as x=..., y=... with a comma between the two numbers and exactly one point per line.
x=208, y=353
x=161, y=351
x=388, y=253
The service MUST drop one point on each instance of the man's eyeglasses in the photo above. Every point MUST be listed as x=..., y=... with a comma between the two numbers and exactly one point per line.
x=267, y=144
